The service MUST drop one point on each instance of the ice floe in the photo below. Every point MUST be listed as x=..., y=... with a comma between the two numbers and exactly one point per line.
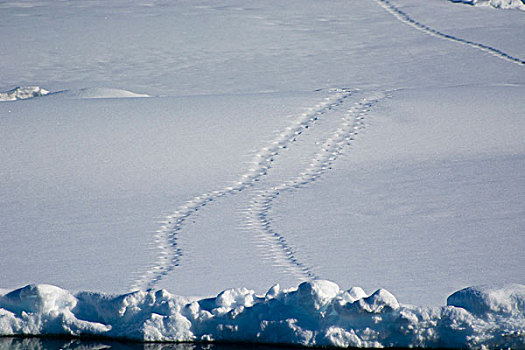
x=317, y=313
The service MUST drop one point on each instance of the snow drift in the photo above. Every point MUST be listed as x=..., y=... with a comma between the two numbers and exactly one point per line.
x=100, y=93
x=22, y=93
x=317, y=313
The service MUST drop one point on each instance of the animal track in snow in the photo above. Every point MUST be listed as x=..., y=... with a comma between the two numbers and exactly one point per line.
x=405, y=18
x=258, y=213
x=167, y=236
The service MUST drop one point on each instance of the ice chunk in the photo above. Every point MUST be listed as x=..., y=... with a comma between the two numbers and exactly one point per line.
x=381, y=301
x=22, y=93
x=314, y=294
x=42, y=298
x=273, y=292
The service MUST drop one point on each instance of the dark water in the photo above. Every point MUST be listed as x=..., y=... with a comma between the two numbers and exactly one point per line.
x=9, y=343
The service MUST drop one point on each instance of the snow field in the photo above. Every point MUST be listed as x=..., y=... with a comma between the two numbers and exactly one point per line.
x=84, y=171
x=404, y=17
x=242, y=170
x=167, y=235
x=427, y=200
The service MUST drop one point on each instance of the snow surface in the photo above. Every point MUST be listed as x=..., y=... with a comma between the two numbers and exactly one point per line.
x=420, y=180
x=375, y=143
x=317, y=313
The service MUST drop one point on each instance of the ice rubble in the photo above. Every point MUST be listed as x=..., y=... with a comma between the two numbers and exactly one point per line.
x=503, y=4
x=317, y=313
x=22, y=93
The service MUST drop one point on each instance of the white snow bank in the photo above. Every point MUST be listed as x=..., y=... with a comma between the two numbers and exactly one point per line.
x=22, y=93
x=503, y=4
x=100, y=93
x=317, y=313
x=489, y=299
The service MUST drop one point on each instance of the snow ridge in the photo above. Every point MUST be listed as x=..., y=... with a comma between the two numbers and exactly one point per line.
x=100, y=92
x=26, y=92
x=258, y=218
x=166, y=237
x=405, y=18
x=316, y=313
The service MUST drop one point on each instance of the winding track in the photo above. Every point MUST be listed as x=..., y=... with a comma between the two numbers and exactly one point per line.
x=405, y=18
x=166, y=238
x=258, y=211
x=258, y=216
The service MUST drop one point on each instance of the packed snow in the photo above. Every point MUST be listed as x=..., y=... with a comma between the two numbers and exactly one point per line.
x=158, y=152
x=316, y=313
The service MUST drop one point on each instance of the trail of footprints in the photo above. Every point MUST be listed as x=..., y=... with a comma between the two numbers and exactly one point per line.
x=257, y=215
x=258, y=212
x=170, y=254
x=404, y=17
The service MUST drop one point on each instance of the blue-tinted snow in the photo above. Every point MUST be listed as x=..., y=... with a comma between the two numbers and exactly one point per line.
x=316, y=313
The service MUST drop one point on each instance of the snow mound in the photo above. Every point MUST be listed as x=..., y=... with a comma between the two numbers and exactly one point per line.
x=22, y=93
x=508, y=300
x=502, y=4
x=317, y=313
x=100, y=93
